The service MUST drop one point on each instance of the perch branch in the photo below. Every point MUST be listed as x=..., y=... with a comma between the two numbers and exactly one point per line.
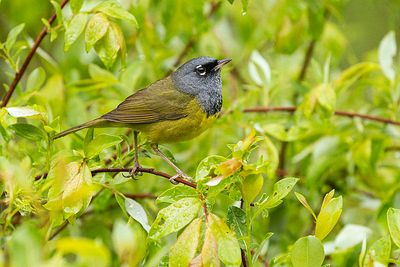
x=337, y=113
x=28, y=59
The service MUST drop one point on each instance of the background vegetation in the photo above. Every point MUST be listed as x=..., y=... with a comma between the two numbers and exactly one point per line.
x=302, y=168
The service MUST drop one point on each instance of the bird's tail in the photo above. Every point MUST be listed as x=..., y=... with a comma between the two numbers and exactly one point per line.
x=93, y=123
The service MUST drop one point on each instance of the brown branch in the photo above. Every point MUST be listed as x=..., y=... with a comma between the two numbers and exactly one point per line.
x=337, y=113
x=146, y=170
x=140, y=169
x=28, y=59
x=59, y=230
x=307, y=59
x=140, y=196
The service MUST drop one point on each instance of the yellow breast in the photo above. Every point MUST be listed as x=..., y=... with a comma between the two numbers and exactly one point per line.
x=170, y=131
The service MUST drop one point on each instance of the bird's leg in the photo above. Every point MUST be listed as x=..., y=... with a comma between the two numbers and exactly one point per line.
x=136, y=166
x=179, y=172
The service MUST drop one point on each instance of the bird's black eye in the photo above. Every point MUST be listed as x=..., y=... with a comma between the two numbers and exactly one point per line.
x=201, y=70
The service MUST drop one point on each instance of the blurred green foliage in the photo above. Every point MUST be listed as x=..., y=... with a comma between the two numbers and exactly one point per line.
x=318, y=56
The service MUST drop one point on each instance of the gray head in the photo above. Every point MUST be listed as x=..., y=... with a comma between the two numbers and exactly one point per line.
x=201, y=77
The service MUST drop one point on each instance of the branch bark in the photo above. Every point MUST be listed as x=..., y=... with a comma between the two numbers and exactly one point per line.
x=28, y=59
x=341, y=113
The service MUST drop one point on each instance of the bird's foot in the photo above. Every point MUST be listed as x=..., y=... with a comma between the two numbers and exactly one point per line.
x=135, y=171
x=179, y=175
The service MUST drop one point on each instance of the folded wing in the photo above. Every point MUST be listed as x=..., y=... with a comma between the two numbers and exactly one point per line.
x=160, y=101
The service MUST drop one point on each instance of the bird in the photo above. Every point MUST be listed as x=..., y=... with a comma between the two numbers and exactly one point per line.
x=176, y=108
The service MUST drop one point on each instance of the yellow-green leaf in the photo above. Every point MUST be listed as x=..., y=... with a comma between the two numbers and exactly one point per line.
x=393, y=221
x=101, y=142
x=74, y=28
x=184, y=249
x=228, y=245
x=96, y=29
x=209, y=252
x=129, y=242
x=251, y=187
x=328, y=216
x=304, y=202
x=114, y=9
x=91, y=252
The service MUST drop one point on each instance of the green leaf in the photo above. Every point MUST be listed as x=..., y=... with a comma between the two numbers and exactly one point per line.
x=174, y=217
x=107, y=48
x=244, y=6
x=121, y=202
x=316, y=19
x=12, y=36
x=99, y=74
x=36, y=79
x=263, y=247
x=129, y=241
x=307, y=252
x=136, y=211
x=114, y=9
x=236, y=220
x=91, y=252
x=23, y=112
x=327, y=218
x=121, y=42
x=280, y=190
x=58, y=11
x=354, y=73
x=259, y=69
x=327, y=97
x=304, y=202
x=378, y=253
x=251, y=187
x=208, y=165
x=184, y=249
x=175, y=193
x=76, y=5
x=101, y=142
x=209, y=252
x=88, y=137
x=95, y=30
x=363, y=251
x=393, y=221
x=228, y=245
x=28, y=131
x=25, y=246
x=74, y=28
x=387, y=51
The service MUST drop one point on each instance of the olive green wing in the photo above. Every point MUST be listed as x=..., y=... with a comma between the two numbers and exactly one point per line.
x=160, y=101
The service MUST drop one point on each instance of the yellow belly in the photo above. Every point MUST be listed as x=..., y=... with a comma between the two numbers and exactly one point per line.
x=170, y=131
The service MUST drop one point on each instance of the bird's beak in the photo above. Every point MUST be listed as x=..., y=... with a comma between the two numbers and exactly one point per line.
x=221, y=63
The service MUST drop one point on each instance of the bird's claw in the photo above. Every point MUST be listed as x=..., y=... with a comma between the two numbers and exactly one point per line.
x=134, y=172
x=179, y=175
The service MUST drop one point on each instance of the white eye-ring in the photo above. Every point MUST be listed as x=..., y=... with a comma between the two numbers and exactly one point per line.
x=201, y=70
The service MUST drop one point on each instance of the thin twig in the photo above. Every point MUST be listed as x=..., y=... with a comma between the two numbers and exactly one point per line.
x=141, y=196
x=307, y=59
x=59, y=230
x=28, y=59
x=337, y=113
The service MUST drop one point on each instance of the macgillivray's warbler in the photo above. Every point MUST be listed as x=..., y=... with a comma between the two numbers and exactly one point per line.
x=179, y=107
